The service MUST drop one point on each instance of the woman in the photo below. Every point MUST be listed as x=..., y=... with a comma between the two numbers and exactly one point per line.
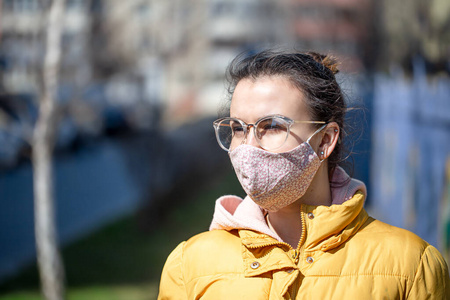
x=302, y=231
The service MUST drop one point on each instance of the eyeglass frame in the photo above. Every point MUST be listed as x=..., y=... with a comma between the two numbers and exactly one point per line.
x=248, y=126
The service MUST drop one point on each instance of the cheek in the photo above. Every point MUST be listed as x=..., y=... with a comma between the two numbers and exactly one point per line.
x=295, y=138
x=291, y=143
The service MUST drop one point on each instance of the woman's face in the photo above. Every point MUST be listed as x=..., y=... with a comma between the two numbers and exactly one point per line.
x=254, y=99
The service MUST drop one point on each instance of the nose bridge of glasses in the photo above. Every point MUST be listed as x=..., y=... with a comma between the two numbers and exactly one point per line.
x=248, y=136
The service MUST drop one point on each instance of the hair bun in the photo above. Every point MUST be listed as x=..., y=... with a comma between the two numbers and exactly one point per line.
x=328, y=61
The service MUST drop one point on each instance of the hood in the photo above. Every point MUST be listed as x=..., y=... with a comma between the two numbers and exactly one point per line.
x=232, y=212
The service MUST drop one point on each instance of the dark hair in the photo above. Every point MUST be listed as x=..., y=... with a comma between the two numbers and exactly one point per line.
x=311, y=73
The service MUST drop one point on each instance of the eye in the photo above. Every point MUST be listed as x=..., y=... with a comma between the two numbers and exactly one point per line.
x=272, y=126
x=237, y=129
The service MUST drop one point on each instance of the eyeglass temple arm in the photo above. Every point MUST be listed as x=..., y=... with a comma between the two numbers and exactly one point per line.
x=317, y=131
x=221, y=124
x=300, y=122
x=310, y=122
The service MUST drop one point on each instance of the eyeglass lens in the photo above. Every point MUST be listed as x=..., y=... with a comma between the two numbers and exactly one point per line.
x=271, y=133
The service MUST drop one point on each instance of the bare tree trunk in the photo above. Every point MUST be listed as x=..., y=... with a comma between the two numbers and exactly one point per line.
x=51, y=269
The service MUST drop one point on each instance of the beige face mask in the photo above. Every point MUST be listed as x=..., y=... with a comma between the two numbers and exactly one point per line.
x=275, y=180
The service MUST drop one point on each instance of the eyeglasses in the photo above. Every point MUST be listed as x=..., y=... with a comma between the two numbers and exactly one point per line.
x=271, y=132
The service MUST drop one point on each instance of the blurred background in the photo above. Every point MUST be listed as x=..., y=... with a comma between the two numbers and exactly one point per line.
x=137, y=167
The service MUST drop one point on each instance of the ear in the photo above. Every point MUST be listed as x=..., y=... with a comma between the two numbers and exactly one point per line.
x=330, y=136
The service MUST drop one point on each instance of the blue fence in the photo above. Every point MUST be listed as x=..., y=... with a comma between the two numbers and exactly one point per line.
x=410, y=149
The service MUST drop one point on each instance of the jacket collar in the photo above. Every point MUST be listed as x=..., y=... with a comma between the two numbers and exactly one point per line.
x=326, y=227
x=331, y=226
x=232, y=212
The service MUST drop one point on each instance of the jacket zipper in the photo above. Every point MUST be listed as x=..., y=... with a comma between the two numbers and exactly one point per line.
x=300, y=242
x=295, y=285
x=293, y=290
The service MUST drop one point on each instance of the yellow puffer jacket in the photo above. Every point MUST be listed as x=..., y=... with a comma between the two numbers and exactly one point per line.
x=343, y=254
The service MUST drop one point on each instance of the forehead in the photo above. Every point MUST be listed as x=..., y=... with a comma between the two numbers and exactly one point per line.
x=256, y=98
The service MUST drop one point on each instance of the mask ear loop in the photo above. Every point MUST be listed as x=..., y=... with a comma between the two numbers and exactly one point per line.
x=317, y=131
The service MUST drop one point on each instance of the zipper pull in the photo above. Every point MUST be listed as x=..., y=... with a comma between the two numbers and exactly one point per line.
x=296, y=256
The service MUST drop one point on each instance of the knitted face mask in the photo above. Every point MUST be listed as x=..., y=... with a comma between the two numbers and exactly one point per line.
x=275, y=180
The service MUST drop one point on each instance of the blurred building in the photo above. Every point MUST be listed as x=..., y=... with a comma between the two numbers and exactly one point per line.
x=134, y=64
x=22, y=44
x=339, y=27
x=138, y=56
x=234, y=26
x=181, y=49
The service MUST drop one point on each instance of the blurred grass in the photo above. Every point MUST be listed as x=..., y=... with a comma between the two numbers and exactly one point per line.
x=121, y=262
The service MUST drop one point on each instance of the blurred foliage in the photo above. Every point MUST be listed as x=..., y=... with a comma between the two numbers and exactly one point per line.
x=121, y=261
x=409, y=28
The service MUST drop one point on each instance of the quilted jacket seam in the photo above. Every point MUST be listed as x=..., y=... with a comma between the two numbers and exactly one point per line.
x=417, y=270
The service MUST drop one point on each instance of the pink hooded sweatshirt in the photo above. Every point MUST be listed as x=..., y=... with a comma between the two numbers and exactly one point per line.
x=232, y=212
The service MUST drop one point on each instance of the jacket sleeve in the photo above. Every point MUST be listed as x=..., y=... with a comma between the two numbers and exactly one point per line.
x=432, y=278
x=172, y=281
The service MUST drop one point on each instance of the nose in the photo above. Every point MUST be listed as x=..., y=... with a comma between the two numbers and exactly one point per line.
x=251, y=137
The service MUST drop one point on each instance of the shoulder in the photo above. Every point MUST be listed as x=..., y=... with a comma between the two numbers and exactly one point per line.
x=400, y=251
x=390, y=236
x=213, y=244
x=213, y=239
x=211, y=252
x=410, y=256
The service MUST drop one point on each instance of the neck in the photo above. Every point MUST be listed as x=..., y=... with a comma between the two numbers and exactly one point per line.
x=286, y=222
